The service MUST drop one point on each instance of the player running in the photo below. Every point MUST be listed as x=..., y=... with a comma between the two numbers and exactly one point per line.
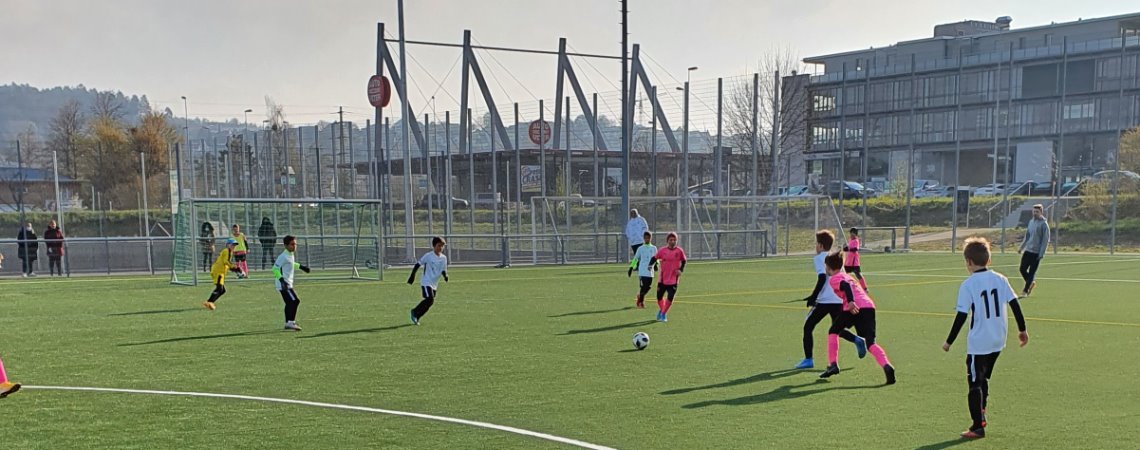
x=859, y=312
x=851, y=258
x=435, y=266
x=218, y=274
x=823, y=302
x=983, y=297
x=672, y=260
x=645, y=261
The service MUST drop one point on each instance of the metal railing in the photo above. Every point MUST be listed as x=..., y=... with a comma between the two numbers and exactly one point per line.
x=97, y=255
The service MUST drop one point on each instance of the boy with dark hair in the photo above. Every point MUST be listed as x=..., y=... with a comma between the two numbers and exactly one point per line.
x=645, y=261
x=283, y=270
x=859, y=312
x=823, y=302
x=672, y=259
x=983, y=297
x=218, y=273
x=435, y=266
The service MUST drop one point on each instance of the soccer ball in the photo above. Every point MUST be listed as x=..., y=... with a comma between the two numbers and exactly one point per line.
x=640, y=340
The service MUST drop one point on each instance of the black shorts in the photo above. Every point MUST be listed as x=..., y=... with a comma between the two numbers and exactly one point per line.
x=646, y=283
x=819, y=311
x=979, y=368
x=428, y=292
x=851, y=269
x=663, y=289
x=634, y=247
x=864, y=323
x=240, y=257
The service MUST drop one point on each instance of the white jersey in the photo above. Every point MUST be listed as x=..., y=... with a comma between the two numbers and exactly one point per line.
x=984, y=296
x=434, y=266
x=287, y=263
x=644, y=254
x=827, y=295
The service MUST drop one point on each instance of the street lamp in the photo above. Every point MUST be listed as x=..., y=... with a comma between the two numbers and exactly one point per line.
x=685, y=137
x=186, y=137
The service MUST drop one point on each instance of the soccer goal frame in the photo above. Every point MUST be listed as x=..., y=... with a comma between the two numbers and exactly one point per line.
x=339, y=239
x=566, y=229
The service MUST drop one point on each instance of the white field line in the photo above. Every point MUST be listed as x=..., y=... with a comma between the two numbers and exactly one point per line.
x=472, y=423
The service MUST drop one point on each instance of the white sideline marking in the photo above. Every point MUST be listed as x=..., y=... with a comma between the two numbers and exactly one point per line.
x=473, y=423
x=1063, y=263
x=963, y=277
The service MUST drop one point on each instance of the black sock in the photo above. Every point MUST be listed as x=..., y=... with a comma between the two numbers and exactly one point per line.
x=975, y=400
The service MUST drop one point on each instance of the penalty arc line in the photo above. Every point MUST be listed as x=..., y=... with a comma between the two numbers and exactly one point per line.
x=491, y=426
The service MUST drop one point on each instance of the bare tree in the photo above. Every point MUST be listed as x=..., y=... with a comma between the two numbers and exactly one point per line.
x=67, y=133
x=108, y=105
x=783, y=100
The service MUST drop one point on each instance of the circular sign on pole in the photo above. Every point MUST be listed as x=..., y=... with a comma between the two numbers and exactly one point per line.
x=379, y=91
x=539, y=132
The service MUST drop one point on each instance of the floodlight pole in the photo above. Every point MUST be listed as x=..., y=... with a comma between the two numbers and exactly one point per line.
x=405, y=115
x=626, y=125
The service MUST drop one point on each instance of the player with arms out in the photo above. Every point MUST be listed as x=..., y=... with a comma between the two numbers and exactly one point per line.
x=983, y=297
x=823, y=302
x=859, y=311
x=435, y=266
x=672, y=260
x=283, y=270
x=218, y=273
x=851, y=258
x=645, y=261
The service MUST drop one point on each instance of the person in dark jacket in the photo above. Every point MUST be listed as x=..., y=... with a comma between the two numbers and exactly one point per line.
x=53, y=237
x=206, y=242
x=268, y=237
x=28, y=249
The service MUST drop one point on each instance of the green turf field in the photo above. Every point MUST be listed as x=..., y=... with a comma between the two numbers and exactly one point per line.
x=548, y=350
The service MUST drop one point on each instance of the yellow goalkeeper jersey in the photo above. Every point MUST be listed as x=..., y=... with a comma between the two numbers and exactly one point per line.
x=221, y=266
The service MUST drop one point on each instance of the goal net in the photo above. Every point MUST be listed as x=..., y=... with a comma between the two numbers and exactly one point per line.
x=338, y=239
x=591, y=229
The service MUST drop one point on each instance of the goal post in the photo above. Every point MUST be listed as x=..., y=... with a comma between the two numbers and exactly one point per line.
x=591, y=229
x=339, y=239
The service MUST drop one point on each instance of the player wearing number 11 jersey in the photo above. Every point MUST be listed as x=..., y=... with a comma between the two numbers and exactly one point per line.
x=983, y=297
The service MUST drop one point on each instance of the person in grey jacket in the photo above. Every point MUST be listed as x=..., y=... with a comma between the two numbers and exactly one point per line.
x=1033, y=248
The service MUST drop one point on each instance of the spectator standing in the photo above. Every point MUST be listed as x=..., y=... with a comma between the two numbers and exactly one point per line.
x=268, y=237
x=28, y=249
x=635, y=230
x=206, y=242
x=53, y=237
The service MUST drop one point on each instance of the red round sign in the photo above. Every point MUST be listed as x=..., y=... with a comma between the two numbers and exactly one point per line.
x=539, y=132
x=379, y=91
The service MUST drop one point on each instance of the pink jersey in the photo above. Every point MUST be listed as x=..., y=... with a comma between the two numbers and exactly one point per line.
x=851, y=256
x=670, y=259
x=861, y=298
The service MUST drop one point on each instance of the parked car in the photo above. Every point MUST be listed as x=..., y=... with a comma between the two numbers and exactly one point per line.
x=798, y=190
x=989, y=190
x=937, y=191
x=1108, y=175
x=437, y=201
x=925, y=184
x=487, y=199
x=582, y=201
x=847, y=189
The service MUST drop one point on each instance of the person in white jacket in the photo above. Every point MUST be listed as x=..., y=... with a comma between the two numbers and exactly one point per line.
x=635, y=230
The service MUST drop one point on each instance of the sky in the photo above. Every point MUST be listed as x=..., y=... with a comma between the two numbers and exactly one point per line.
x=313, y=57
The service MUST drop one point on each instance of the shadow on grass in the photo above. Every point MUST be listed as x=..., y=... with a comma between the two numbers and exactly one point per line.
x=199, y=338
x=155, y=311
x=610, y=328
x=739, y=381
x=946, y=444
x=587, y=313
x=363, y=330
x=629, y=350
x=780, y=393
